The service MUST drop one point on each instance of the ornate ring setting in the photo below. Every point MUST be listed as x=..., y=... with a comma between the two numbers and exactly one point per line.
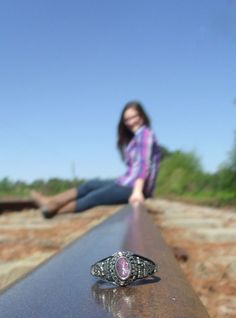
x=123, y=268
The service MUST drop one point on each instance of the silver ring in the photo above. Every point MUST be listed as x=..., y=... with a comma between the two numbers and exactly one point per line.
x=123, y=268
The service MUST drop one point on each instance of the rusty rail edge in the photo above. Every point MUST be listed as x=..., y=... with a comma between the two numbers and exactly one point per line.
x=16, y=205
x=63, y=286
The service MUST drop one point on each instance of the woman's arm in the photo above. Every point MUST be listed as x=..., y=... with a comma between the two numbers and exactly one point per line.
x=137, y=193
x=142, y=165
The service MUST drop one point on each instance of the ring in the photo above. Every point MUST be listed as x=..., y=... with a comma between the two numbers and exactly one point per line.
x=123, y=268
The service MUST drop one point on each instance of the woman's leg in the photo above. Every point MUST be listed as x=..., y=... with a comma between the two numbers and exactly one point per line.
x=107, y=195
x=68, y=197
x=91, y=185
x=68, y=208
x=55, y=202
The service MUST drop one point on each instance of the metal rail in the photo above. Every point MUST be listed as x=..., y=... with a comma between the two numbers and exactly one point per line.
x=16, y=205
x=63, y=286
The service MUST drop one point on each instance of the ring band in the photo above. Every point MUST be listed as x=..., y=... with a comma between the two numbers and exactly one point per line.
x=123, y=268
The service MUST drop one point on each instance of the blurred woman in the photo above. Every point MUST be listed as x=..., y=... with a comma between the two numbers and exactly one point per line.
x=139, y=150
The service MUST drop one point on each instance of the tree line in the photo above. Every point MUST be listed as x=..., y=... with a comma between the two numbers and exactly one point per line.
x=180, y=177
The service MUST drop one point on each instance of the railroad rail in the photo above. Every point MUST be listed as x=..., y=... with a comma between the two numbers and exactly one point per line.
x=16, y=205
x=63, y=286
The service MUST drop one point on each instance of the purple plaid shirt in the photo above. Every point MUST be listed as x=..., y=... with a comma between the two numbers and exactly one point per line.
x=141, y=156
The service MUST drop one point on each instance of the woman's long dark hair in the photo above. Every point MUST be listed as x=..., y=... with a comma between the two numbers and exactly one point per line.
x=124, y=134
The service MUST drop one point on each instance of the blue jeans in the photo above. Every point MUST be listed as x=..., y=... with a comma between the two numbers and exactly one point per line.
x=101, y=192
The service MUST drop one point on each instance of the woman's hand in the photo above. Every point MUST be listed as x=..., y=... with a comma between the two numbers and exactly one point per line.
x=137, y=193
x=136, y=197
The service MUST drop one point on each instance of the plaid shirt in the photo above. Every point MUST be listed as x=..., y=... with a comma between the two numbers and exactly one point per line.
x=142, y=156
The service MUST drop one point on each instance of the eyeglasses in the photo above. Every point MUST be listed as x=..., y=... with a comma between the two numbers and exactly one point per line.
x=127, y=119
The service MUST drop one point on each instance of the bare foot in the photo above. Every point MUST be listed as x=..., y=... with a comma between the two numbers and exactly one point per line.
x=43, y=201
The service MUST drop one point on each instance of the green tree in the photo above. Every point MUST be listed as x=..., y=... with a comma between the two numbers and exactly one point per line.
x=6, y=185
x=226, y=175
x=178, y=173
x=232, y=156
x=165, y=152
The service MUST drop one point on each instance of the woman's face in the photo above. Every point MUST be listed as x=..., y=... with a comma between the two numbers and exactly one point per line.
x=132, y=119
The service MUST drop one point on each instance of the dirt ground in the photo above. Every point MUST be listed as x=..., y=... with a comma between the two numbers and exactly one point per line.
x=205, y=236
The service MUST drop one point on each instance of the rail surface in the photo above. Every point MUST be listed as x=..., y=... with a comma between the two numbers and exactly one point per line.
x=63, y=286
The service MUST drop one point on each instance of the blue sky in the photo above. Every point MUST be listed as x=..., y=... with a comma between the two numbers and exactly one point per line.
x=68, y=67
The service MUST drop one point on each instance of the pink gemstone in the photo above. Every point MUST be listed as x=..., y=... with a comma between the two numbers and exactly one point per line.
x=123, y=268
